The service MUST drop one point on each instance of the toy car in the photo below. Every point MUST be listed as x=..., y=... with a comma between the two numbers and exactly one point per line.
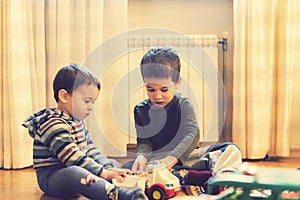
x=157, y=181
x=265, y=183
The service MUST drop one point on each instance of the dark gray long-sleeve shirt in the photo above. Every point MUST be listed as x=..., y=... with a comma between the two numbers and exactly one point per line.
x=172, y=130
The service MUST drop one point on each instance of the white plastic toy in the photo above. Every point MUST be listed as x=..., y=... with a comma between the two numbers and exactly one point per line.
x=132, y=181
x=157, y=181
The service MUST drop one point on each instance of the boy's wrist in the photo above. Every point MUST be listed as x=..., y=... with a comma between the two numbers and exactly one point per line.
x=141, y=157
x=169, y=161
x=100, y=172
x=103, y=173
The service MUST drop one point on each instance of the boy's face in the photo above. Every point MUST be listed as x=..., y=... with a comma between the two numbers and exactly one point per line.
x=160, y=91
x=82, y=101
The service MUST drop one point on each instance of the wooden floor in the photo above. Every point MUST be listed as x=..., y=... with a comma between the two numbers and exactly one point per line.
x=22, y=185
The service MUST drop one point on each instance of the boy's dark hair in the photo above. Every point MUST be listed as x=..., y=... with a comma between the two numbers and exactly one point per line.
x=70, y=77
x=161, y=62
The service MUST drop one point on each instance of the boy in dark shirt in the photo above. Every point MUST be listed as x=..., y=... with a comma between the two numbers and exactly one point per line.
x=166, y=125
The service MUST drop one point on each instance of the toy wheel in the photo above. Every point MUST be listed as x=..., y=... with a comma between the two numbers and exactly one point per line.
x=157, y=193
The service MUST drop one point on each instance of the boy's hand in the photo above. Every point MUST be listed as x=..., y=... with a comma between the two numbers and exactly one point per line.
x=169, y=161
x=139, y=164
x=118, y=174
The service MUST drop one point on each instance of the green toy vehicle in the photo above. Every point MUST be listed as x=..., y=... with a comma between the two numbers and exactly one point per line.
x=265, y=183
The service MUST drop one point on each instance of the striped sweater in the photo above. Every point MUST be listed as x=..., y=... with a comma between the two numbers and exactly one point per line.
x=61, y=141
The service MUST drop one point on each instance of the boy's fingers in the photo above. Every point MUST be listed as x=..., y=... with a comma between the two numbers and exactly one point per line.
x=127, y=171
x=122, y=174
x=120, y=179
x=134, y=167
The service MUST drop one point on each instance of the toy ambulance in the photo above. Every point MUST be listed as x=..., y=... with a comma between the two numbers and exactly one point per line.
x=157, y=181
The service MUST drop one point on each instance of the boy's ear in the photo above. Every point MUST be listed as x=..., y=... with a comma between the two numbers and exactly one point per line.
x=63, y=95
x=178, y=83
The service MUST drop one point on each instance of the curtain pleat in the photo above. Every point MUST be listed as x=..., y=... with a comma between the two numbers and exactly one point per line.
x=264, y=59
x=23, y=78
x=38, y=37
x=73, y=30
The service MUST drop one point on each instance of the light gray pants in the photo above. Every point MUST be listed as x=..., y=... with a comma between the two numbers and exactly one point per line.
x=69, y=182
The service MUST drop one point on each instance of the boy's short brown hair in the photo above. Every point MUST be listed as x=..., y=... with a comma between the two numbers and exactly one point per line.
x=70, y=77
x=161, y=62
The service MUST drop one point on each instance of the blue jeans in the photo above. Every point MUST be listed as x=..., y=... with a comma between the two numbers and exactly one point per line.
x=67, y=183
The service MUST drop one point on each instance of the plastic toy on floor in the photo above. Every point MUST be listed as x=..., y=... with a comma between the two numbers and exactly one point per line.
x=259, y=183
x=192, y=181
x=157, y=181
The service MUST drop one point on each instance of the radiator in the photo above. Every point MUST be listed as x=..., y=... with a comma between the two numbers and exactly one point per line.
x=199, y=59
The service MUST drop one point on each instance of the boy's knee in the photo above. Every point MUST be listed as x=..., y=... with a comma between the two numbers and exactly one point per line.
x=234, y=148
x=230, y=159
x=237, y=152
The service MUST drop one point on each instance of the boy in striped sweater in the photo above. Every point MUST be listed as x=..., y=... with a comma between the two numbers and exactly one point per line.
x=66, y=161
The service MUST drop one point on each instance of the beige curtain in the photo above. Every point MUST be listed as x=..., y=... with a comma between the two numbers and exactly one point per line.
x=266, y=54
x=37, y=38
x=22, y=77
x=73, y=30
